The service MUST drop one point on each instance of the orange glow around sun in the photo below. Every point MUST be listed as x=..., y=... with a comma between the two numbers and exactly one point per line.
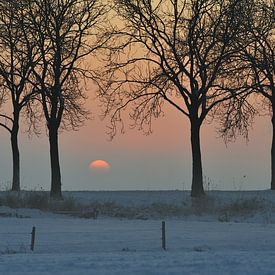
x=99, y=165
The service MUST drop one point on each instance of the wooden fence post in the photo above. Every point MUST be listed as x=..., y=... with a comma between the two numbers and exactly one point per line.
x=32, y=238
x=163, y=235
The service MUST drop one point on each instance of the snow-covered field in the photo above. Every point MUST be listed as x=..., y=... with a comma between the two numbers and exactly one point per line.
x=196, y=244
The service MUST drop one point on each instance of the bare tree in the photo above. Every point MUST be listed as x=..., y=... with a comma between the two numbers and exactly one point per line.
x=258, y=56
x=15, y=72
x=176, y=52
x=66, y=32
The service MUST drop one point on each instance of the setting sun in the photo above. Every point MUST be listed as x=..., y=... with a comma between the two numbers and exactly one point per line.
x=99, y=165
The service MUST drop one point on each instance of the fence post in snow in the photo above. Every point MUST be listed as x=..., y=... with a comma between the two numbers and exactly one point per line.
x=163, y=235
x=32, y=238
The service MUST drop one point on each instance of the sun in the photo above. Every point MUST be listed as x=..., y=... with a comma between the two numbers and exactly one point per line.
x=100, y=165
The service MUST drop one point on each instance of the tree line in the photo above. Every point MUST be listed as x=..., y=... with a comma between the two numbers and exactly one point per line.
x=209, y=59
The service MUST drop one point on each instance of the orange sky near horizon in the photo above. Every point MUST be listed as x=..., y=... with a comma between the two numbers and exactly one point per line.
x=239, y=165
x=161, y=160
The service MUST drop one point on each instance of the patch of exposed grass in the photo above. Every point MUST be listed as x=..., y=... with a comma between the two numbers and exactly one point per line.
x=224, y=211
x=240, y=208
x=37, y=200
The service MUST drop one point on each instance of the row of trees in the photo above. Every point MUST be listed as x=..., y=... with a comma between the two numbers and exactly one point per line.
x=42, y=45
x=209, y=59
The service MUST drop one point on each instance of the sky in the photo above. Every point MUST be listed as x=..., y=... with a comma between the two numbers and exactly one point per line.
x=160, y=161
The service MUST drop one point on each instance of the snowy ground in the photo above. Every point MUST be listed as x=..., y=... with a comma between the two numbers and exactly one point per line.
x=70, y=245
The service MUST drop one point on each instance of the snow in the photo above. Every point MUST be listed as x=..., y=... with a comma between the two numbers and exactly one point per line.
x=196, y=245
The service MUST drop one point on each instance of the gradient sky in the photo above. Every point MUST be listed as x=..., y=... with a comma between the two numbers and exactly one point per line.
x=138, y=162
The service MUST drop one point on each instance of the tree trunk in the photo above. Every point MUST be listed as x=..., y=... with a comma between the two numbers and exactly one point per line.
x=273, y=152
x=197, y=180
x=55, y=166
x=15, y=156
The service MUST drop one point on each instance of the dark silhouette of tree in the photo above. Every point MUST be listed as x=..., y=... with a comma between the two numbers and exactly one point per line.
x=236, y=115
x=65, y=32
x=257, y=56
x=15, y=73
x=176, y=52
